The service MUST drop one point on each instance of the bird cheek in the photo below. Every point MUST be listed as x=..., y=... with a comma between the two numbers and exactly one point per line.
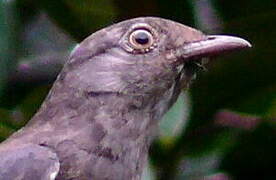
x=172, y=59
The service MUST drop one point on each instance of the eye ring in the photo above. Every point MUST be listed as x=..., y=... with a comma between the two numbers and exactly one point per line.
x=141, y=39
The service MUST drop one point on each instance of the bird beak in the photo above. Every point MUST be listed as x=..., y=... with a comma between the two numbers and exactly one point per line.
x=210, y=46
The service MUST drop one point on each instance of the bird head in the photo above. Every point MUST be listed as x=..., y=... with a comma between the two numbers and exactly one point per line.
x=147, y=56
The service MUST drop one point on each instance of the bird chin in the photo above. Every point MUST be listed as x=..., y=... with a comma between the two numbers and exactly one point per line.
x=201, y=63
x=191, y=67
x=187, y=70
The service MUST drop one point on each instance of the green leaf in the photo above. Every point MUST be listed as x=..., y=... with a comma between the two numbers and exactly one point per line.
x=173, y=123
x=4, y=45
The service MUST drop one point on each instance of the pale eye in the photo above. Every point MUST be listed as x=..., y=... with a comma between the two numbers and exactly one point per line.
x=141, y=39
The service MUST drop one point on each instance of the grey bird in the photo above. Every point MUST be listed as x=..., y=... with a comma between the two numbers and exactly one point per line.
x=102, y=112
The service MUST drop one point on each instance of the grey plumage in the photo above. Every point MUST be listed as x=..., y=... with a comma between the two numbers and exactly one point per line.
x=29, y=161
x=102, y=112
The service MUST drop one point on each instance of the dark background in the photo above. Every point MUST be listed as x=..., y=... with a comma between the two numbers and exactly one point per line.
x=223, y=128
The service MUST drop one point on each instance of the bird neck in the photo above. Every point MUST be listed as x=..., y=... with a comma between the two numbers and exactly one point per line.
x=115, y=129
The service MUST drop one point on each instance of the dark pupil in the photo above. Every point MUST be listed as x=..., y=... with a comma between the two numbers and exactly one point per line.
x=141, y=38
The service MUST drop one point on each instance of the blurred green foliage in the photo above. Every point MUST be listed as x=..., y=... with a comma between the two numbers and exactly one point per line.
x=223, y=127
x=3, y=48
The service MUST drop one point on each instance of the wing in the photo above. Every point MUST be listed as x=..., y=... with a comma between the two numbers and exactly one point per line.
x=30, y=162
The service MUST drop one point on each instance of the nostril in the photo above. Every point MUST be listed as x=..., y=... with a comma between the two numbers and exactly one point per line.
x=211, y=37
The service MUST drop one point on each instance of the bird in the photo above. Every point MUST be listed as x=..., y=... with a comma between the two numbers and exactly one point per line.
x=102, y=112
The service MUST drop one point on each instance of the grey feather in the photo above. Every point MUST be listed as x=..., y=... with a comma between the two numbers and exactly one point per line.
x=28, y=162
